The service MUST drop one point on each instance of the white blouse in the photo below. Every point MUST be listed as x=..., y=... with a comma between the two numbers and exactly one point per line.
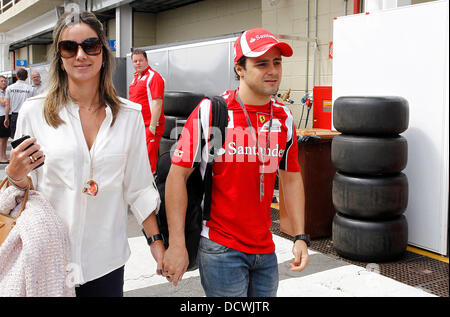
x=97, y=224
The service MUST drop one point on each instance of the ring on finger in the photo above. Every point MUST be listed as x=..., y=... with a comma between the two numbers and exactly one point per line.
x=32, y=159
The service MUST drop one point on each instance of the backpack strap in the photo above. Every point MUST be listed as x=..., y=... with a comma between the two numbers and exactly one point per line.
x=219, y=111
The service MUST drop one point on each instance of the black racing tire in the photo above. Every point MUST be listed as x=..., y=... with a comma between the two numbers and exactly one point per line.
x=162, y=167
x=181, y=103
x=171, y=124
x=364, y=155
x=371, y=115
x=370, y=197
x=166, y=145
x=370, y=241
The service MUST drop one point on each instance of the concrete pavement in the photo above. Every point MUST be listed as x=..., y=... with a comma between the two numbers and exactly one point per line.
x=323, y=277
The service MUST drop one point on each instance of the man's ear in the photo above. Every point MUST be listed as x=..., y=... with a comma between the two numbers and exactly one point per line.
x=239, y=70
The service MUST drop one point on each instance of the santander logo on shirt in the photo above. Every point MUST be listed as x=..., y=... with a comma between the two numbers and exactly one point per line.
x=234, y=149
x=240, y=147
x=240, y=144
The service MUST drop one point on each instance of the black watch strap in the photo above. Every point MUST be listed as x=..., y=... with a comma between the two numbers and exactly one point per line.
x=153, y=238
x=304, y=237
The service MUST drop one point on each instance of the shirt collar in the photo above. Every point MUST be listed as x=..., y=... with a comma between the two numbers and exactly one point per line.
x=234, y=104
x=136, y=74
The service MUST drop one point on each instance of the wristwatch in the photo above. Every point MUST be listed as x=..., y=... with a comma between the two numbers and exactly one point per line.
x=153, y=238
x=304, y=237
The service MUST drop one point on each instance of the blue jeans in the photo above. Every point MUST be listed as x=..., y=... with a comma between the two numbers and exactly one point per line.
x=226, y=272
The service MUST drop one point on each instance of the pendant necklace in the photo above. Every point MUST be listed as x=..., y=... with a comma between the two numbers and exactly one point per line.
x=91, y=187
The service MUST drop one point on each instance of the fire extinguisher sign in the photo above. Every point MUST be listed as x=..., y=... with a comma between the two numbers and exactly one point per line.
x=330, y=50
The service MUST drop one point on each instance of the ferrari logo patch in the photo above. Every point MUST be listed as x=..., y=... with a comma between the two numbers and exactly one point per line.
x=262, y=118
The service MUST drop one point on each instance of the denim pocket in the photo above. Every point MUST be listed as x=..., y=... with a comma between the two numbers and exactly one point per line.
x=208, y=246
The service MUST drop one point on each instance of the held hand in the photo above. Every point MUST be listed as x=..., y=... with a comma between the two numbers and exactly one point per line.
x=301, y=256
x=22, y=161
x=176, y=261
x=157, y=249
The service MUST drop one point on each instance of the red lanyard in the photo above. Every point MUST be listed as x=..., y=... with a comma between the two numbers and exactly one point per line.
x=261, y=156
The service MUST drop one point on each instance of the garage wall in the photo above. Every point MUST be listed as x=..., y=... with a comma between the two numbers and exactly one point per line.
x=144, y=29
x=207, y=19
x=47, y=49
x=289, y=17
x=216, y=17
x=111, y=29
x=38, y=53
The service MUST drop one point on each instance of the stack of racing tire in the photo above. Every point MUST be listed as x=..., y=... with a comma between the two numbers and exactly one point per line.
x=370, y=193
x=178, y=105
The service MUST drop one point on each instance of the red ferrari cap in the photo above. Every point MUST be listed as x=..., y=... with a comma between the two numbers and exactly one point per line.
x=256, y=42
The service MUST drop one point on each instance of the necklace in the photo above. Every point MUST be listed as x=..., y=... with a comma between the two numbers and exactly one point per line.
x=91, y=187
x=93, y=108
x=261, y=154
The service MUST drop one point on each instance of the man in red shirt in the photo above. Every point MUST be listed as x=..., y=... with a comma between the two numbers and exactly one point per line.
x=236, y=253
x=147, y=89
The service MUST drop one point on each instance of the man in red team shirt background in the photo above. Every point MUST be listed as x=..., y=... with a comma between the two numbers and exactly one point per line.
x=236, y=253
x=147, y=89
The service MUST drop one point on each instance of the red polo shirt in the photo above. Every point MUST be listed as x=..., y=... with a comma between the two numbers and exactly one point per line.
x=145, y=87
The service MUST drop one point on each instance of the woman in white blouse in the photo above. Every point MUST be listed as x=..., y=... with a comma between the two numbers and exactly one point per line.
x=96, y=163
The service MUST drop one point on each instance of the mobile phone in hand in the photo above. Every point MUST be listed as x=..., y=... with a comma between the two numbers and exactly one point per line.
x=16, y=143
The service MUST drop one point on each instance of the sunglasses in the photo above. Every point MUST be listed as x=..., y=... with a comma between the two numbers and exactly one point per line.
x=91, y=46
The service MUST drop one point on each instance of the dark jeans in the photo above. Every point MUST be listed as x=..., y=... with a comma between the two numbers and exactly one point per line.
x=110, y=285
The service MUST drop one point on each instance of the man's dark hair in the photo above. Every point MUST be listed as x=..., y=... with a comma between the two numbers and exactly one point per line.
x=1, y=76
x=139, y=51
x=241, y=62
x=22, y=74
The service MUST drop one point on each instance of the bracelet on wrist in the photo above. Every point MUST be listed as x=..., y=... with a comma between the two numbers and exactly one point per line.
x=15, y=181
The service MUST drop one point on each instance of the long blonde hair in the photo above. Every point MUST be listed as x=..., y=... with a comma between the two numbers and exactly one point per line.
x=58, y=94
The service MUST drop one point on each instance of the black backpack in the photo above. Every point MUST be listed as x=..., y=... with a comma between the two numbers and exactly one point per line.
x=196, y=186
